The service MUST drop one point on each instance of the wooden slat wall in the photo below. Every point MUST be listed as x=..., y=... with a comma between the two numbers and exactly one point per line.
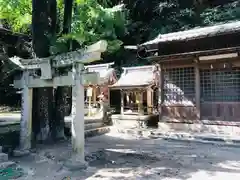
x=212, y=111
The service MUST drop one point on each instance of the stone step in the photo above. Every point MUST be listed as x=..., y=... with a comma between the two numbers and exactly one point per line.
x=89, y=121
x=97, y=131
x=20, y=153
x=3, y=157
x=93, y=126
x=7, y=164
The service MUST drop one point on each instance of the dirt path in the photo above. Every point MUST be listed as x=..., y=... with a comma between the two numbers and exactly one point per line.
x=114, y=156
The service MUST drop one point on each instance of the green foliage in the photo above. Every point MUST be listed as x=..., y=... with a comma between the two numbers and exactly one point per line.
x=92, y=22
x=151, y=18
x=138, y=22
x=17, y=13
x=226, y=12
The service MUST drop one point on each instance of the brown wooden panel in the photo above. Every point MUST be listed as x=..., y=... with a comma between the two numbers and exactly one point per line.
x=220, y=111
x=180, y=112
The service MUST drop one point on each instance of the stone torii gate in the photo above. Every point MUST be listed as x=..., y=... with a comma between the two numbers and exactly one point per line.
x=76, y=78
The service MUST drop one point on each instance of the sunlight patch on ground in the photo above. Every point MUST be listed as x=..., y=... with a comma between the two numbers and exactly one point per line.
x=107, y=174
x=122, y=150
x=121, y=136
x=206, y=175
x=231, y=165
x=209, y=175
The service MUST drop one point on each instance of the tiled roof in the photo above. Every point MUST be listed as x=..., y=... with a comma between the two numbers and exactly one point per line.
x=135, y=77
x=105, y=71
x=197, y=33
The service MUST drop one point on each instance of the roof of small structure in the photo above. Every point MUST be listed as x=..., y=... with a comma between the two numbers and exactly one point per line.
x=135, y=77
x=105, y=72
x=195, y=33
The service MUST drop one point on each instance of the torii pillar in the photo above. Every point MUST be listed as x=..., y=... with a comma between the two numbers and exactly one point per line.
x=78, y=140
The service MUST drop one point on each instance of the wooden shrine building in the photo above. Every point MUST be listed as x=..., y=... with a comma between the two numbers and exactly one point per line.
x=199, y=74
x=138, y=87
x=107, y=77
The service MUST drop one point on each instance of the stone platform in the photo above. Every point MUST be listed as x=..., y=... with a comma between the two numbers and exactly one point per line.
x=134, y=121
x=199, y=128
x=11, y=122
x=10, y=128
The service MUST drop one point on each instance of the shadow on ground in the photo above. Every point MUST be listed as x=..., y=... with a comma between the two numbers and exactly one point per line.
x=120, y=158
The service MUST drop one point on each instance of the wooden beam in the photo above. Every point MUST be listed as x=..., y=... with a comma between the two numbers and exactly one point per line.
x=122, y=101
x=179, y=56
x=140, y=104
x=161, y=93
x=89, y=105
x=105, y=65
x=197, y=91
x=149, y=100
x=94, y=95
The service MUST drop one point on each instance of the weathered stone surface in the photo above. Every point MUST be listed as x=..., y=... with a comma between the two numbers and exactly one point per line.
x=97, y=131
x=7, y=164
x=3, y=157
x=93, y=126
x=74, y=165
x=20, y=153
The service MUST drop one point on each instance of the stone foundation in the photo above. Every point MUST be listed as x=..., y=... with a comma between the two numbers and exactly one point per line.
x=199, y=128
x=134, y=121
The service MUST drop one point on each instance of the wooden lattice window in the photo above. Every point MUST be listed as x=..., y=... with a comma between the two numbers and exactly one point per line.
x=179, y=86
x=220, y=85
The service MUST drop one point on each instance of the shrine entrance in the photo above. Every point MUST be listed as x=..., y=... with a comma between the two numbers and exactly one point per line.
x=76, y=78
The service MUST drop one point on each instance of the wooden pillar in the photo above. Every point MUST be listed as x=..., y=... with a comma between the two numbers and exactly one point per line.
x=89, y=105
x=161, y=91
x=94, y=95
x=140, y=105
x=149, y=100
x=138, y=101
x=197, y=91
x=108, y=96
x=122, y=101
x=78, y=113
x=89, y=97
x=26, y=115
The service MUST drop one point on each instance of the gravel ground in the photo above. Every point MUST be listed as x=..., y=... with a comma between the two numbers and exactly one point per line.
x=117, y=156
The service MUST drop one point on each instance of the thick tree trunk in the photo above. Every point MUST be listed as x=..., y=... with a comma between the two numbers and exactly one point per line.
x=42, y=28
x=67, y=16
x=63, y=92
x=45, y=113
x=60, y=113
x=35, y=119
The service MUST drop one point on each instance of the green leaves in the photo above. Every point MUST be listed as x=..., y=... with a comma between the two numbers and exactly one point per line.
x=17, y=14
x=227, y=12
x=91, y=22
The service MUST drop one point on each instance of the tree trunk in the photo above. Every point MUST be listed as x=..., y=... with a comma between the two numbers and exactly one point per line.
x=67, y=20
x=45, y=110
x=42, y=29
x=61, y=103
x=60, y=112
